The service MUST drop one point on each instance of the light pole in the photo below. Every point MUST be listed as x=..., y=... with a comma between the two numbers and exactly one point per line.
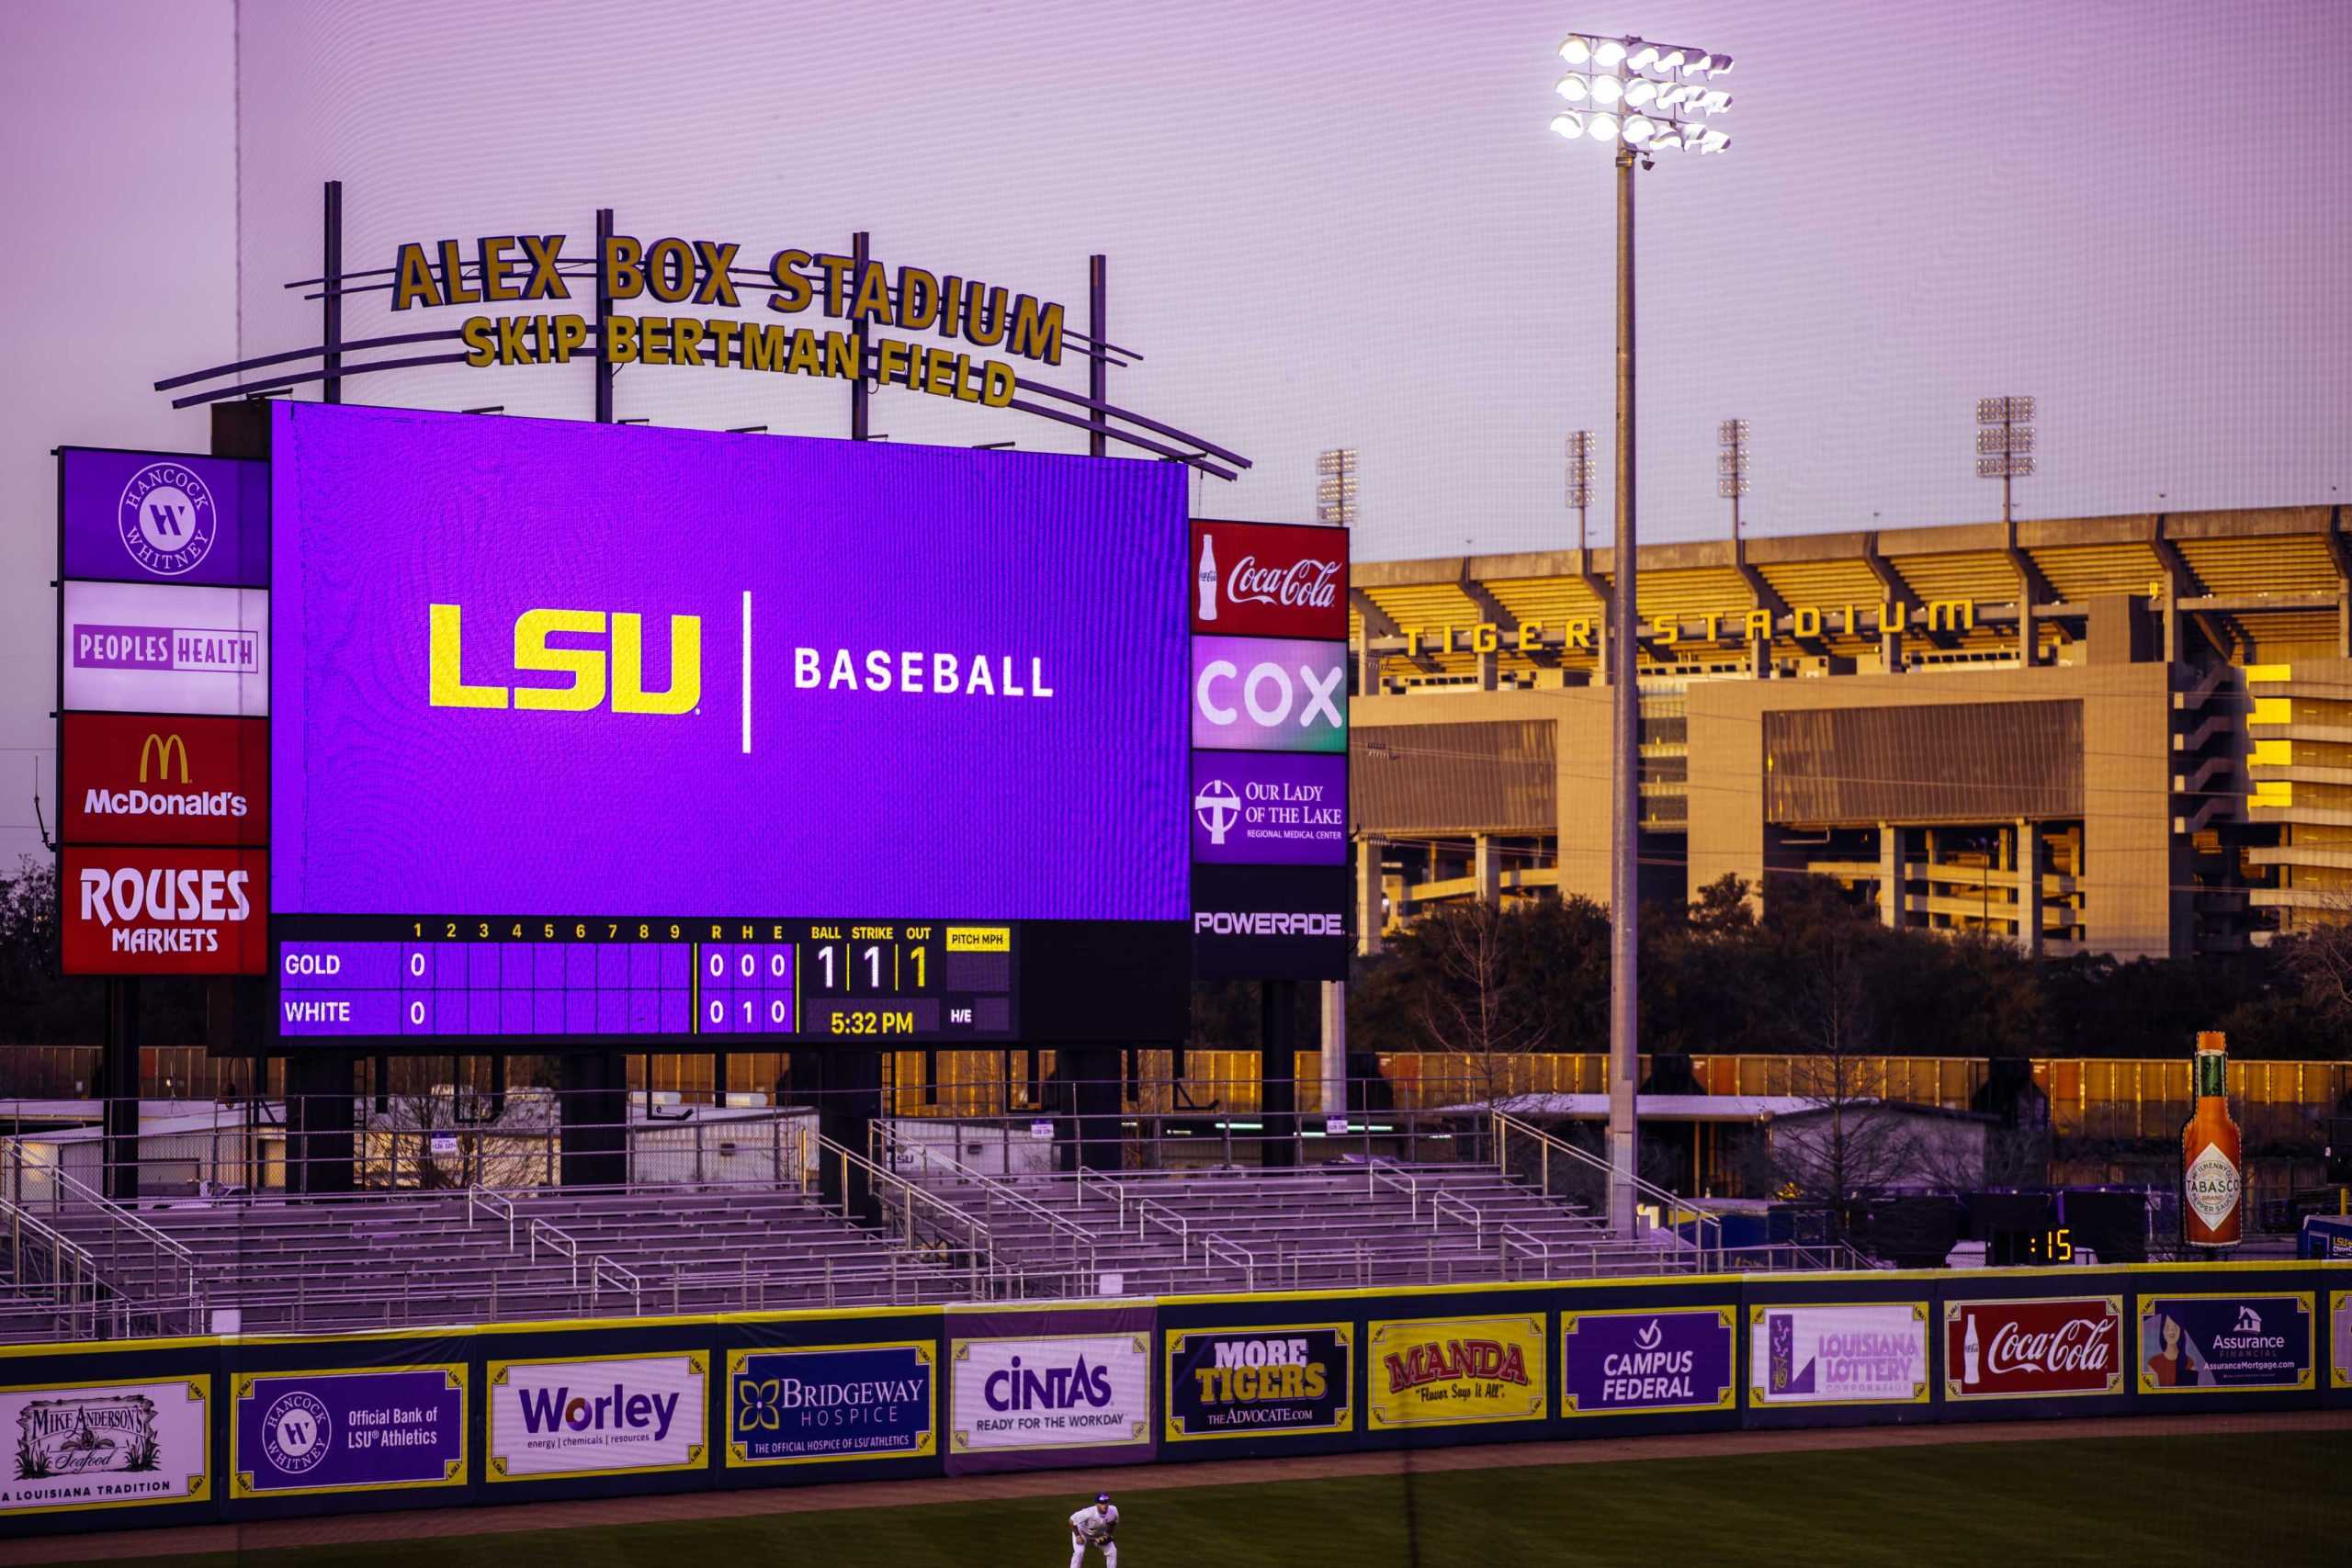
x=1642, y=98
x=1730, y=467
x=1335, y=487
x=1580, y=478
x=2004, y=443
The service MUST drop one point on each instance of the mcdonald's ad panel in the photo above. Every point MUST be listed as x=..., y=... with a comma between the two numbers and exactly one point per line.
x=152, y=779
x=1253, y=1382
x=2217, y=1342
x=164, y=911
x=163, y=517
x=2036, y=1349
x=1456, y=1371
x=1636, y=1360
x=1862, y=1353
x=106, y=1445
x=357, y=1430
x=615, y=1416
x=165, y=647
x=831, y=1402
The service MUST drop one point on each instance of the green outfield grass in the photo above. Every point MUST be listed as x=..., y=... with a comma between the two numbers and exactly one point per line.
x=2217, y=1502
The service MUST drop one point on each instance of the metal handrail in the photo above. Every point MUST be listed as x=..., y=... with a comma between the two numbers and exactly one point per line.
x=979, y=1240
x=995, y=1188
x=559, y=1243
x=494, y=1201
x=598, y=1266
x=1477, y=1220
x=1379, y=1171
x=1240, y=1255
x=1668, y=1203
x=1529, y=1245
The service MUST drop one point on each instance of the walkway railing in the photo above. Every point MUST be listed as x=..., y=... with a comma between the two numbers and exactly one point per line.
x=1562, y=1170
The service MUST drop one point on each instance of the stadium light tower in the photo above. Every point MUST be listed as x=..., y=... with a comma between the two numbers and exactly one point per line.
x=1580, y=478
x=1731, y=467
x=1641, y=98
x=1335, y=491
x=2004, y=443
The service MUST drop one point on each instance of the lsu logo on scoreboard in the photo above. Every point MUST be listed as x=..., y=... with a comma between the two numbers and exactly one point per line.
x=585, y=665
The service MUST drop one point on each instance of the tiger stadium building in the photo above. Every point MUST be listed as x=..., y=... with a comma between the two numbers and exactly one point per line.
x=2124, y=735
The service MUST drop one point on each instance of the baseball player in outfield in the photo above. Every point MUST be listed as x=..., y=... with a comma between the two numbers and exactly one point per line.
x=1094, y=1527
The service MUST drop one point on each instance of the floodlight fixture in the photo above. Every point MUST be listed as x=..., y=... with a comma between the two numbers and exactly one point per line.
x=1608, y=89
x=2005, y=438
x=1602, y=128
x=1575, y=88
x=1621, y=75
x=2003, y=445
x=1638, y=129
x=1568, y=125
x=1335, y=492
x=2005, y=410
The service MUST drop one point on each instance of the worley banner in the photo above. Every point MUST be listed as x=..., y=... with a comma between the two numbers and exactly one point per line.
x=1281, y=1381
x=2222, y=1341
x=1625, y=1361
x=1860, y=1353
x=1456, y=1371
x=831, y=1402
x=1048, y=1386
x=155, y=517
x=105, y=1445
x=360, y=1429
x=2042, y=1347
x=614, y=1416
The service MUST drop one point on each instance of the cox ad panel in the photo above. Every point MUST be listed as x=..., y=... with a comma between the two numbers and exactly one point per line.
x=1847, y=1353
x=1644, y=1361
x=821, y=1403
x=359, y=1429
x=1039, y=1392
x=158, y=912
x=1280, y=1380
x=610, y=1415
x=1270, y=579
x=142, y=779
x=1259, y=694
x=2215, y=1342
x=1456, y=1371
x=107, y=1445
x=161, y=648
x=160, y=517
x=2040, y=1347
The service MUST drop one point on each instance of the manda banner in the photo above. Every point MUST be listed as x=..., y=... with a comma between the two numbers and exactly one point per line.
x=1046, y=1393
x=1456, y=1371
x=615, y=1416
x=2226, y=1342
x=106, y=1445
x=1283, y=1380
x=831, y=1402
x=1859, y=1353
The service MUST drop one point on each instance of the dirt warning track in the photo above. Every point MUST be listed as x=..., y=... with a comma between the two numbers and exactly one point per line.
x=426, y=1524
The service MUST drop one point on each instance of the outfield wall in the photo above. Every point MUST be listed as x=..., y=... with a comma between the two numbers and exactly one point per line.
x=206, y=1429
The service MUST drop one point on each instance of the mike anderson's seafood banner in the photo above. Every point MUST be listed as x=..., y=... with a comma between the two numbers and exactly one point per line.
x=1857, y=1353
x=1636, y=1360
x=106, y=1445
x=1456, y=1371
x=1249, y=1382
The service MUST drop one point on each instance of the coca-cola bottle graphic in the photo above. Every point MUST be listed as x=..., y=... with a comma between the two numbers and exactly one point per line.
x=1208, y=577
x=1972, y=1361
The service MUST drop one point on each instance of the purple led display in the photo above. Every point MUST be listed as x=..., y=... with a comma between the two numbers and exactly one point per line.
x=963, y=691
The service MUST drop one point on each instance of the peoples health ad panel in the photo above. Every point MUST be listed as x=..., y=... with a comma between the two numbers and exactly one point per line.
x=520, y=655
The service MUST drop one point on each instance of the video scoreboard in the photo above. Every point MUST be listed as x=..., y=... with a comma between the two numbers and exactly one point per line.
x=756, y=982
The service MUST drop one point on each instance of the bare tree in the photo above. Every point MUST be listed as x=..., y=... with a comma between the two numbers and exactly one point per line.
x=1469, y=1014
x=2320, y=955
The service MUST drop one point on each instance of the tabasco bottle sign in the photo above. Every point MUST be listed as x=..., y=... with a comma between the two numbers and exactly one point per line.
x=2211, y=1187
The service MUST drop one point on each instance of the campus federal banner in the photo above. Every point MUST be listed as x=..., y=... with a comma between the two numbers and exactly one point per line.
x=600, y=1416
x=1645, y=1361
x=1282, y=1380
x=2211, y=1342
x=1032, y=1390
x=1846, y=1353
x=811, y=1403
x=1456, y=1371
x=353, y=1430
x=106, y=1445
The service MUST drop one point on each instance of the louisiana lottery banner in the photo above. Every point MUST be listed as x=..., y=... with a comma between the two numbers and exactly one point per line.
x=614, y=1416
x=1456, y=1371
x=1858, y=1353
x=831, y=1402
x=2218, y=1342
x=106, y=1445
x=355, y=1430
x=1048, y=1383
x=1249, y=1382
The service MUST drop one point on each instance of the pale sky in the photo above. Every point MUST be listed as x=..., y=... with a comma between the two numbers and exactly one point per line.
x=1328, y=224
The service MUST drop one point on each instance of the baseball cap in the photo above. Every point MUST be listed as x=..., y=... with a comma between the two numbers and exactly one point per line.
x=1102, y=1496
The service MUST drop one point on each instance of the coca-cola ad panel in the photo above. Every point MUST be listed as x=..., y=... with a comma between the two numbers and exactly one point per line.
x=164, y=911
x=2219, y=1342
x=166, y=779
x=2040, y=1347
x=1270, y=579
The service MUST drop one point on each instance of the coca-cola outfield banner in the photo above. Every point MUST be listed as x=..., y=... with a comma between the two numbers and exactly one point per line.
x=1846, y=1353
x=2215, y=1342
x=163, y=779
x=2042, y=1347
x=1270, y=579
x=164, y=911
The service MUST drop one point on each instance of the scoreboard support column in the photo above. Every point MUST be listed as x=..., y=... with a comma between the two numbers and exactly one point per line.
x=1278, y=1071
x=849, y=1097
x=118, y=1089
x=320, y=1106
x=595, y=1111
x=1092, y=1136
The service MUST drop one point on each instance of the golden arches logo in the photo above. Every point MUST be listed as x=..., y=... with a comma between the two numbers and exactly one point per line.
x=162, y=747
